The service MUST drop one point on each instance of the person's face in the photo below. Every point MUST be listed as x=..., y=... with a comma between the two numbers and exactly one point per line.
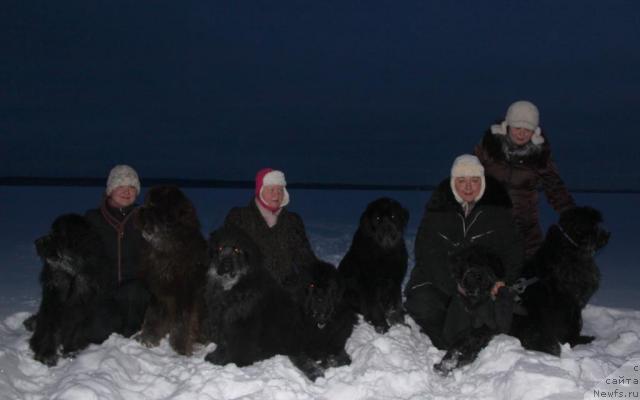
x=122, y=196
x=520, y=136
x=468, y=187
x=273, y=195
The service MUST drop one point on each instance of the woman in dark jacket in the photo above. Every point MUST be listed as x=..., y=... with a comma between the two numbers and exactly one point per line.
x=516, y=153
x=466, y=209
x=279, y=234
x=123, y=243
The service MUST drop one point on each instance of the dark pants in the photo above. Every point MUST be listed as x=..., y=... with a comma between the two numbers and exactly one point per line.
x=428, y=306
x=131, y=299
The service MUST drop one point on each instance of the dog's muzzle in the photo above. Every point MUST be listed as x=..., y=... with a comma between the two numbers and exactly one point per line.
x=226, y=266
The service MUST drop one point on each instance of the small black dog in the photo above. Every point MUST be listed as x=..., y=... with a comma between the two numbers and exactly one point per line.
x=376, y=263
x=76, y=284
x=568, y=277
x=476, y=270
x=329, y=319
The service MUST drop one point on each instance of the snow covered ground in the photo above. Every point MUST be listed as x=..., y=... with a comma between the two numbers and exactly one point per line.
x=397, y=365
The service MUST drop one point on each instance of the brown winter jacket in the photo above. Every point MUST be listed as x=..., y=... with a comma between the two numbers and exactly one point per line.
x=523, y=174
x=123, y=250
x=285, y=247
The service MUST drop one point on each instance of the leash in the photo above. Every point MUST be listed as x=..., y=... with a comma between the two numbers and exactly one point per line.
x=566, y=235
x=522, y=284
x=119, y=227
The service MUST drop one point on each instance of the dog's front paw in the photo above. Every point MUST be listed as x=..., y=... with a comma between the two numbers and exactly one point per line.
x=147, y=339
x=181, y=344
x=218, y=357
x=30, y=323
x=395, y=316
x=382, y=328
x=581, y=340
x=48, y=358
x=448, y=363
x=336, y=360
x=309, y=367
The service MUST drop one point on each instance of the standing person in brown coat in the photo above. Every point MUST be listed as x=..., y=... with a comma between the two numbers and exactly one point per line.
x=279, y=233
x=517, y=154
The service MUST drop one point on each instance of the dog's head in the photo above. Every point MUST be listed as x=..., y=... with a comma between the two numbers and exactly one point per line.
x=165, y=209
x=475, y=271
x=64, y=247
x=384, y=221
x=321, y=292
x=232, y=255
x=583, y=227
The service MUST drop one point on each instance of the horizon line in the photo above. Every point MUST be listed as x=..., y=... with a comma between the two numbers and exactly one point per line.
x=242, y=184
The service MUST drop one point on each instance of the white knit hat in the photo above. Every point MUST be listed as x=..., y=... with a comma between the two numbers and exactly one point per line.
x=521, y=114
x=122, y=175
x=267, y=177
x=467, y=165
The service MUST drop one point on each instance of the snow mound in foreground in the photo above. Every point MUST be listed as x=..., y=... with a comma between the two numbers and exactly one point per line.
x=396, y=365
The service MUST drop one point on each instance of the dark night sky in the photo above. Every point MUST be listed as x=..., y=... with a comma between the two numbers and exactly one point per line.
x=385, y=92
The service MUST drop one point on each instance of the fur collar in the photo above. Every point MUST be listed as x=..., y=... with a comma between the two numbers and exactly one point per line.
x=497, y=147
x=494, y=195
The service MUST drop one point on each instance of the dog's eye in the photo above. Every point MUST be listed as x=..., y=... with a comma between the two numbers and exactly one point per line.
x=393, y=216
x=220, y=249
x=312, y=285
x=236, y=250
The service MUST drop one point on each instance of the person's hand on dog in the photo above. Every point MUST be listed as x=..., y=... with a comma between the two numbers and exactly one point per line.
x=496, y=287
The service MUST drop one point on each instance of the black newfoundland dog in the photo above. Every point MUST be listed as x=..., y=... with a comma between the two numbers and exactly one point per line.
x=476, y=270
x=329, y=319
x=76, y=284
x=174, y=266
x=563, y=276
x=251, y=317
x=376, y=263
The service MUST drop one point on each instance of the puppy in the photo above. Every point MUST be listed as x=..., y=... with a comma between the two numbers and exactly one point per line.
x=376, y=263
x=329, y=319
x=476, y=270
x=76, y=282
x=564, y=276
x=174, y=266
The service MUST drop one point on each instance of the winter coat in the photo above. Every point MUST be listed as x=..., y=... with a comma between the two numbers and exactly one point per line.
x=123, y=250
x=444, y=230
x=432, y=298
x=522, y=174
x=284, y=246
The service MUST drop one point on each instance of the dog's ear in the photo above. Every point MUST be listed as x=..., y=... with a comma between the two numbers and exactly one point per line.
x=405, y=215
x=365, y=217
x=214, y=239
x=340, y=286
x=188, y=214
x=251, y=251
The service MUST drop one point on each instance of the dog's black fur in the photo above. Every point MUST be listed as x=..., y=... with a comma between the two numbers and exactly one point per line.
x=329, y=319
x=476, y=270
x=76, y=283
x=251, y=317
x=568, y=277
x=376, y=264
x=174, y=266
